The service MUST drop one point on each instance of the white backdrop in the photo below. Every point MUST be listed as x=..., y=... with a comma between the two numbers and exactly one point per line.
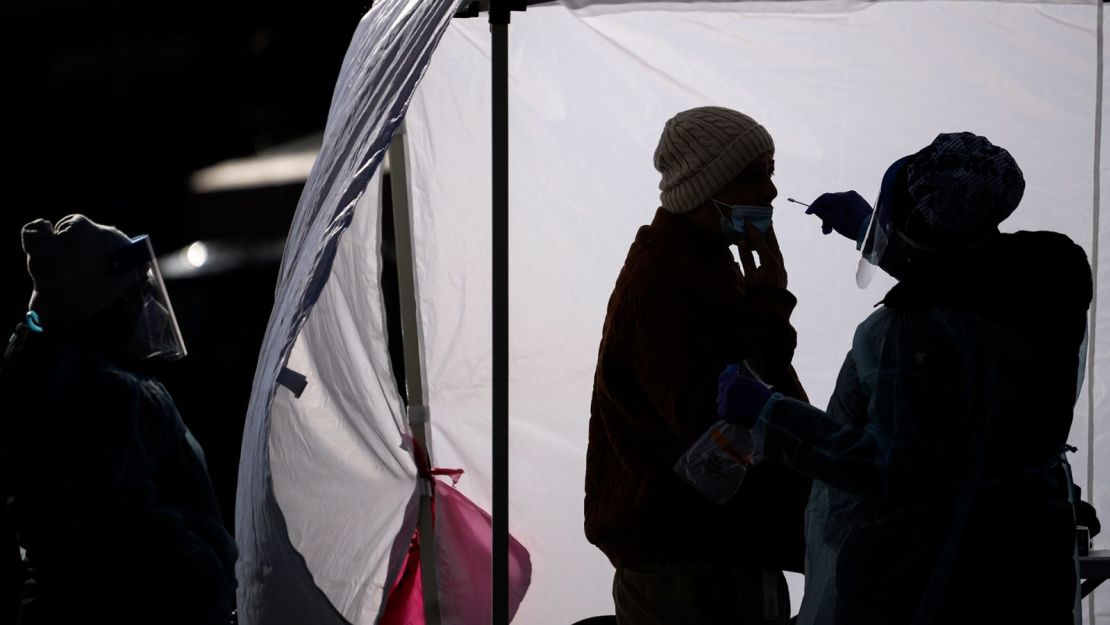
x=844, y=87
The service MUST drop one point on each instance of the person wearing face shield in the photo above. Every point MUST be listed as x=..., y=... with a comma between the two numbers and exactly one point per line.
x=106, y=492
x=681, y=309
x=941, y=491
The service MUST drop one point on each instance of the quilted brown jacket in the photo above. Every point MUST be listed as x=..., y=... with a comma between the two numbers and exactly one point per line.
x=679, y=314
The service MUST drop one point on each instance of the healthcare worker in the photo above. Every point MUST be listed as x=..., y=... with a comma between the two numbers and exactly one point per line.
x=105, y=489
x=939, y=492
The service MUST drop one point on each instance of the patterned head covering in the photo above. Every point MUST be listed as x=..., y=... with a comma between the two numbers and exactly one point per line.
x=962, y=186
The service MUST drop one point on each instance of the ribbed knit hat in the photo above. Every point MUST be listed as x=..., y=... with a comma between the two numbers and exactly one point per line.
x=70, y=268
x=702, y=150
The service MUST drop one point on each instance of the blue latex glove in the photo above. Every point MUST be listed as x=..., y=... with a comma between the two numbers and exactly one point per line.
x=740, y=399
x=846, y=212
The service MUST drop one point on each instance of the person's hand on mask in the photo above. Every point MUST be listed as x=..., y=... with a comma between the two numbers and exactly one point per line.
x=844, y=211
x=771, y=271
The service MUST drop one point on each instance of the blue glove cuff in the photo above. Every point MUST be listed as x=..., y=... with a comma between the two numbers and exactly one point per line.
x=768, y=405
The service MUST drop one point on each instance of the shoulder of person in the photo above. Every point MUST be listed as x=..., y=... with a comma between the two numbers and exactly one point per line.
x=1055, y=246
x=1058, y=263
x=90, y=374
x=111, y=385
x=660, y=275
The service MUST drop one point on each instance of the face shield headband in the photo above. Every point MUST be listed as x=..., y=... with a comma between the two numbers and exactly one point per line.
x=156, y=334
x=881, y=228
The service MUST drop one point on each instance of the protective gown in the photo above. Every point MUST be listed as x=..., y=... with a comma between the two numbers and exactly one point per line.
x=109, y=494
x=939, y=495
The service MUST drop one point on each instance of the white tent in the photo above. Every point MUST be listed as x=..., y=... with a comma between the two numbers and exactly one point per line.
x=327, y=488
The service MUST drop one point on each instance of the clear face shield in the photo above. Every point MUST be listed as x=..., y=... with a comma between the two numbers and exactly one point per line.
x=156, y=334
x=880, y=230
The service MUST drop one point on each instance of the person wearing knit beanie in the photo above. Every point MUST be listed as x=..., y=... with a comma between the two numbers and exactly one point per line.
x=702, y=150
x=681, y=310
x=716, y=166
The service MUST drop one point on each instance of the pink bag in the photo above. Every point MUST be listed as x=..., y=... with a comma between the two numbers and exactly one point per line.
x=464, y=542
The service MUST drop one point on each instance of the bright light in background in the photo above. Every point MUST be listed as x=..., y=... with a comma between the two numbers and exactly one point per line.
x=289, y=163
x=196, y=254
x=206, y=258
x=254, y=172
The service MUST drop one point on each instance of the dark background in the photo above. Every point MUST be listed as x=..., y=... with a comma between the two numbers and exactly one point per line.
x=109, y=106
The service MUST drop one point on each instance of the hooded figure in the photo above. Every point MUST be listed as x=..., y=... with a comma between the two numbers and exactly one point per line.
x=105, y=489
x=940, y=493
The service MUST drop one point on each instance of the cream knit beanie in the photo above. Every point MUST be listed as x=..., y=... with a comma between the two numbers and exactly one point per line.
x=703, y=149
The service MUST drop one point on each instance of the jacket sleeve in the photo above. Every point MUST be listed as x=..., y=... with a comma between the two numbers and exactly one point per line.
x=909, y=415
x=772, y=337
x=808, y=440
x=677, y=352
x=691, y=336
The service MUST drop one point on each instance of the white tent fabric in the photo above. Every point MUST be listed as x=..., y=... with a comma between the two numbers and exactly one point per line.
x=844, y=87
x=325, y=502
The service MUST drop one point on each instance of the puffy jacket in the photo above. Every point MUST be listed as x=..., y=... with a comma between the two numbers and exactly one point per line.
x=678, y=315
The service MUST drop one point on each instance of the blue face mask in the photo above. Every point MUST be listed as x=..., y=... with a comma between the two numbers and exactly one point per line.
x=735, y=218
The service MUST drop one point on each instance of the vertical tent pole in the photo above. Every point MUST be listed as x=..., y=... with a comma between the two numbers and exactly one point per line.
x=1092, y=325
x=499, y=29
x=418, y=412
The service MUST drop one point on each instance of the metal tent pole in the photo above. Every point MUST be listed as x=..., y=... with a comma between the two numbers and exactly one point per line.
x=415, y=385
x=499, y=29
x=1092, y=326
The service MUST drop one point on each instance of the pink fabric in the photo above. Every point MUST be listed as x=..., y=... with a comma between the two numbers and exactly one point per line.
x=405, y=605
x=464, y=537
x=464, y=542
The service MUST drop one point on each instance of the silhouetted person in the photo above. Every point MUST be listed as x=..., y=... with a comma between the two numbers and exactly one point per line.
x=940, y=493
x=680, y=311
x=105, y=488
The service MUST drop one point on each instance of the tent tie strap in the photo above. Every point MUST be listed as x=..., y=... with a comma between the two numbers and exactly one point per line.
x=424, y=467
x=295, y=382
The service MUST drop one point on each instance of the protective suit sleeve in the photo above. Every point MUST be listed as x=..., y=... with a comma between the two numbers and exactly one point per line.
x=206, y=546
x=807, y=439
x=135, y=497
x=834, y=446
x=907, y=413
